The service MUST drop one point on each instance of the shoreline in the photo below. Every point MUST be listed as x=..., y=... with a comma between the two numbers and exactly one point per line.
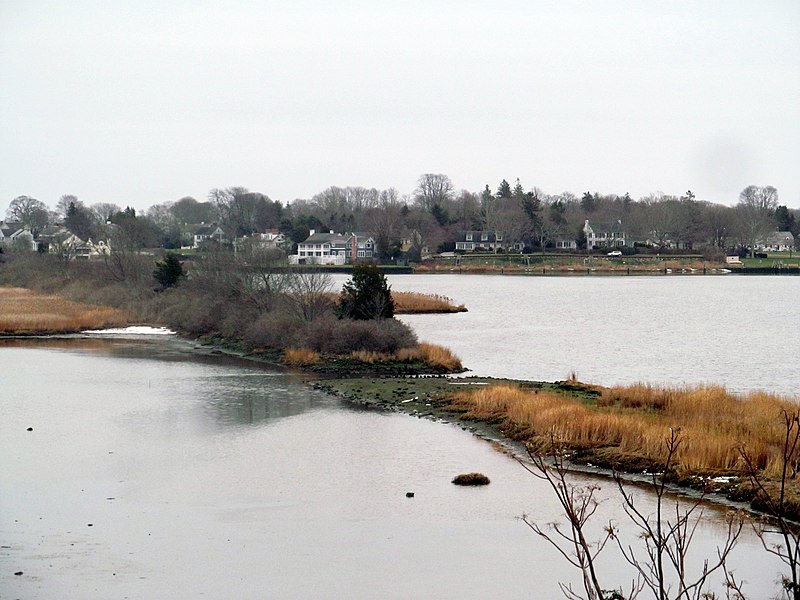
x=387, y=383
x=420, y=400
x=420, y=395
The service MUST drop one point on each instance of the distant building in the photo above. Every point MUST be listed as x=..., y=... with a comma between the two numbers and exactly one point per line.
x=335, y=248
x=483, y=241
x=194, y=234
x=777, y=241
x=611, y=235
x=17, y=236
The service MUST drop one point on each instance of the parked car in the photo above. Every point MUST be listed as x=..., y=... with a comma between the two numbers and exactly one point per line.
x=615, y=253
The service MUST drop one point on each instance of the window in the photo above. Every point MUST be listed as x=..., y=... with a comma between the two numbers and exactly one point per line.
x=484, y=237
x=361, y=254
x=499, y=237
x=469, y=237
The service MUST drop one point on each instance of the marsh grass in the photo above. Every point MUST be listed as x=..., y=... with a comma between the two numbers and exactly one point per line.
x=300, y=357
x=409, y=303
x=436, y=356
x=635, y=420
x=432, y=355
x=23, y=312
x=417, y=303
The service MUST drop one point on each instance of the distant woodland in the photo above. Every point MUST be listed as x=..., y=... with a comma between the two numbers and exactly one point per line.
x=429, y=219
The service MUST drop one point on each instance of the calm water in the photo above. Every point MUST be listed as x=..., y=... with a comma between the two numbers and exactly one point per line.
x=154, y=473
x=735, y=330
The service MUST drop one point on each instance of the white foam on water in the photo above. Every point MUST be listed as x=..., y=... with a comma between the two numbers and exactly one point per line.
x=134, y=330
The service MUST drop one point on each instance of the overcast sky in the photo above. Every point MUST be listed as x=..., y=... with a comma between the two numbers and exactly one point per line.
x=143, y=102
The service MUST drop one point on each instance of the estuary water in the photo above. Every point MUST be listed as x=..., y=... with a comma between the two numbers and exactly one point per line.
x=740, y=331
x=138, y=468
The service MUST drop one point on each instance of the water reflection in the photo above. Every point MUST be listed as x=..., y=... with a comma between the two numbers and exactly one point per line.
x=226, y=480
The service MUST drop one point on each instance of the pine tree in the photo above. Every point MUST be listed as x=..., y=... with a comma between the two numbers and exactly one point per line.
x=367, y=295
x=168, y=271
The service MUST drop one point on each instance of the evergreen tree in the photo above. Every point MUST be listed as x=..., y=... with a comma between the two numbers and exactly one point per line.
x=168, y=271
x=367, y=295
x=504, y=191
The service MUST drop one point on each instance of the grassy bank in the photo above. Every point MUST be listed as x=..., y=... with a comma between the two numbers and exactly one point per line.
x=619, y=428
x=572, y=264
x=23, y=312
x=409, y=303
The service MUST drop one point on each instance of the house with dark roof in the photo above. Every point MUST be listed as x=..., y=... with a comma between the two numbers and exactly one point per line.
x=194, y=234
x=483, y=241
x=18, y=236
x=607, y=235
x=61, y=241
x=335, y=248
x=777, y=241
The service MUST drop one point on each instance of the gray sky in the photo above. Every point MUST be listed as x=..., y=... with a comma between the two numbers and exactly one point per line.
x=143, y=102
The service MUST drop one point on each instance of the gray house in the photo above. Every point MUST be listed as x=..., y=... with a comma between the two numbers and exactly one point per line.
x=486, y=241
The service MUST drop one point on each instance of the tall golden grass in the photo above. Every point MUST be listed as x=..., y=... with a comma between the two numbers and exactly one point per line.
x=431, y=354
x=300, y=357
x=637, y=419
x=409, y=303
x=23, y=312
x=436, y=356
x=416, y=302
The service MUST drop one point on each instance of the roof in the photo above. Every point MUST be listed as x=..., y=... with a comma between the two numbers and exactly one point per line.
x=477, y=236
x=322, y=238
x=780, y=237
x=612, y=227
x=206, y=229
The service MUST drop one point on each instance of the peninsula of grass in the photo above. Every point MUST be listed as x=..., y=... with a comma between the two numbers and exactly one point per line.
x=25, y=313
x=619, y=429
x=410, y=303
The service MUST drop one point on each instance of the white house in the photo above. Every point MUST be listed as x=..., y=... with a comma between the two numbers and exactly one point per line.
x=17, y=236
x=334, y=248
x=604, y=236
x=777, y=241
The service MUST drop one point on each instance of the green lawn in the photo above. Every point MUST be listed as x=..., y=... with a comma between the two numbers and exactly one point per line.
x=772, y=259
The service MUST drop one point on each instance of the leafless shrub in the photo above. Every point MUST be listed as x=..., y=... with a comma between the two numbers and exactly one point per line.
x=660, y=559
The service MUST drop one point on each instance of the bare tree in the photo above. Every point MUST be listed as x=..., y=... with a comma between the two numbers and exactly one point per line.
x=432, y=189
x=29, y=212
x=309, y=294
x=579, y=505
x=660, y=561
x=755, y=214
x=778, y=535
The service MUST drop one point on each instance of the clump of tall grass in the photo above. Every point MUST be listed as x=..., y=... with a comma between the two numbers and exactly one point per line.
x=22, y=312
x=714, y=423
x=300, y=357
x=370, y=358
x=416, y=302
x=431, y=354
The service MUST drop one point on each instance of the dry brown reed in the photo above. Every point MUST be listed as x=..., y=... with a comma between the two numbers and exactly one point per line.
x=369, y=357
x=23, y=312
x=416, y=303
x=300, y=357
x=433, y=355
x=636, y=420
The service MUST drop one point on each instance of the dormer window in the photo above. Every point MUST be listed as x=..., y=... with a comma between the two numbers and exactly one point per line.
x=484, y=237
x=499, y=237
x=469, y=237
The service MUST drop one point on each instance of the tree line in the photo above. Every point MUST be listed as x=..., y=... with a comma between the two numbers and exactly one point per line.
x=430, y=217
